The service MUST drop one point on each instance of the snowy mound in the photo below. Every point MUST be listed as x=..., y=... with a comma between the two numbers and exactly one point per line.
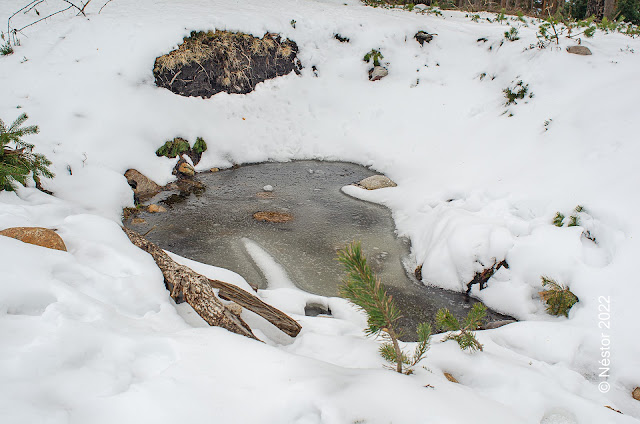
x=91, y=335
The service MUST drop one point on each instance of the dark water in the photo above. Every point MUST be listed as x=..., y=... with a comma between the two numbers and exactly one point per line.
x=210, y=226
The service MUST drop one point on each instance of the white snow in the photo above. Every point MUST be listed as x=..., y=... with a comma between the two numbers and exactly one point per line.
x=91, y=335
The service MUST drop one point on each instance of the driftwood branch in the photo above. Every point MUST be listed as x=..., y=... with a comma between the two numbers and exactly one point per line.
x=276, y=317
x=198, y=291
x=193, y=287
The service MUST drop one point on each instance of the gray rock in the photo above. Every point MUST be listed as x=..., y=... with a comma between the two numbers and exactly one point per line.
x=315, y=309
x=375, y=182
x=377, y=73
x=581, y=50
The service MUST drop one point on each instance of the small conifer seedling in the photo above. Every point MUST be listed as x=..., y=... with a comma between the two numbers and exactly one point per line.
x=559, y=298
x=362, y=287
x=374, y=55
x=512, y=34
x=463, y=332
x=17, y=160
x=558, y=219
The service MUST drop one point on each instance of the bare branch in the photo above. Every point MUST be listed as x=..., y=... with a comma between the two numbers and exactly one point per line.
x=109, y=1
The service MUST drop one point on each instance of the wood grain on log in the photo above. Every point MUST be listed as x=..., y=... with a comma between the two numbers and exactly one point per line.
x=245, y=299
x=193, y=287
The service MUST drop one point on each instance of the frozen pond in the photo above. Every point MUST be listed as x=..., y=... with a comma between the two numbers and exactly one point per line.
x=212, y=226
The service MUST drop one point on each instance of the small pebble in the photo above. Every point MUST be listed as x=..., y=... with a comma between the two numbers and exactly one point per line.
x=268, y=188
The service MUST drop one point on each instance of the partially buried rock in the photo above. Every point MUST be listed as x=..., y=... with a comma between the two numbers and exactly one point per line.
x=375, y=182
x=636, y=393
x=377, y=73
x=314, y=309
x=143, y=188
x=186, y=169
x=207, y=63
x=580, y=50
x=450, y=377
x=35, y=235
x=423, y=37
x=277, y=217
x=156, y=209
x=496, y=324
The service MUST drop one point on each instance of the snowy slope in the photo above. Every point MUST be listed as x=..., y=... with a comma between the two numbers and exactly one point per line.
x=92, y=336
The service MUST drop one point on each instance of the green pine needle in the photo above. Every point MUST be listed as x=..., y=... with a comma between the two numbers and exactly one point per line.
x=17, y=160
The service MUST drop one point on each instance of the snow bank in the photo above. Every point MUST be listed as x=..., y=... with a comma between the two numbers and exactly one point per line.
x=90, y=335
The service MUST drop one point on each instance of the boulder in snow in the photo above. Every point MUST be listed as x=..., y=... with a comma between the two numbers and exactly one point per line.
x=184, y=168
x=378, y=72
x=35, y=235
x=143, y=187
x=580, y=50
x=636, y=393
x=375, y=182
x=450, y=377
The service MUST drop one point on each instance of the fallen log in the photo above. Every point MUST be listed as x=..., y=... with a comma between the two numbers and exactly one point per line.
x=175, y=273
x=245, y=299
x=185, y=283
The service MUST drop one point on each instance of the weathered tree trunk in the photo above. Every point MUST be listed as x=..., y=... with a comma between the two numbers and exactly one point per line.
x=276, y=317
x=595, y=8
x=198, y=290
x=609, y=8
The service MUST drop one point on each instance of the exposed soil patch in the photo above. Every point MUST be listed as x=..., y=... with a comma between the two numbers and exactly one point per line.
x=207, y=63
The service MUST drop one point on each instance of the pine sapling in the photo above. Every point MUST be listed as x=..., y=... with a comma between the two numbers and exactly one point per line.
x=462, y=333
x=559, y=298
x=558, y=219
x=17, y=160
x=362, y=287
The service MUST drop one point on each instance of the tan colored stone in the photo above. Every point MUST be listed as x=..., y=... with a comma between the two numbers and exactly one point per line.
x=450, y=377
x=375, y=182
x=35, y=235
x=137, y=221
x=214, y=169
x=277, y=217
x=156, y=209
x=142, y=186
x=265, y=195
x=636, y=393
x=580, y=50
x=187, y=169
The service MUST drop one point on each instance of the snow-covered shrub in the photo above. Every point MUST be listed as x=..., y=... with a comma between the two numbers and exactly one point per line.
x=559, y=298
x=512, y=34
x=516, y=92
x=374, y=55
x=17, y=160
x=462, y=332
x=363, y=287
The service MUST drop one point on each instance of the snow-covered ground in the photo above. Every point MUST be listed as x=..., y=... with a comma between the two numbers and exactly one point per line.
x=91, y=335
